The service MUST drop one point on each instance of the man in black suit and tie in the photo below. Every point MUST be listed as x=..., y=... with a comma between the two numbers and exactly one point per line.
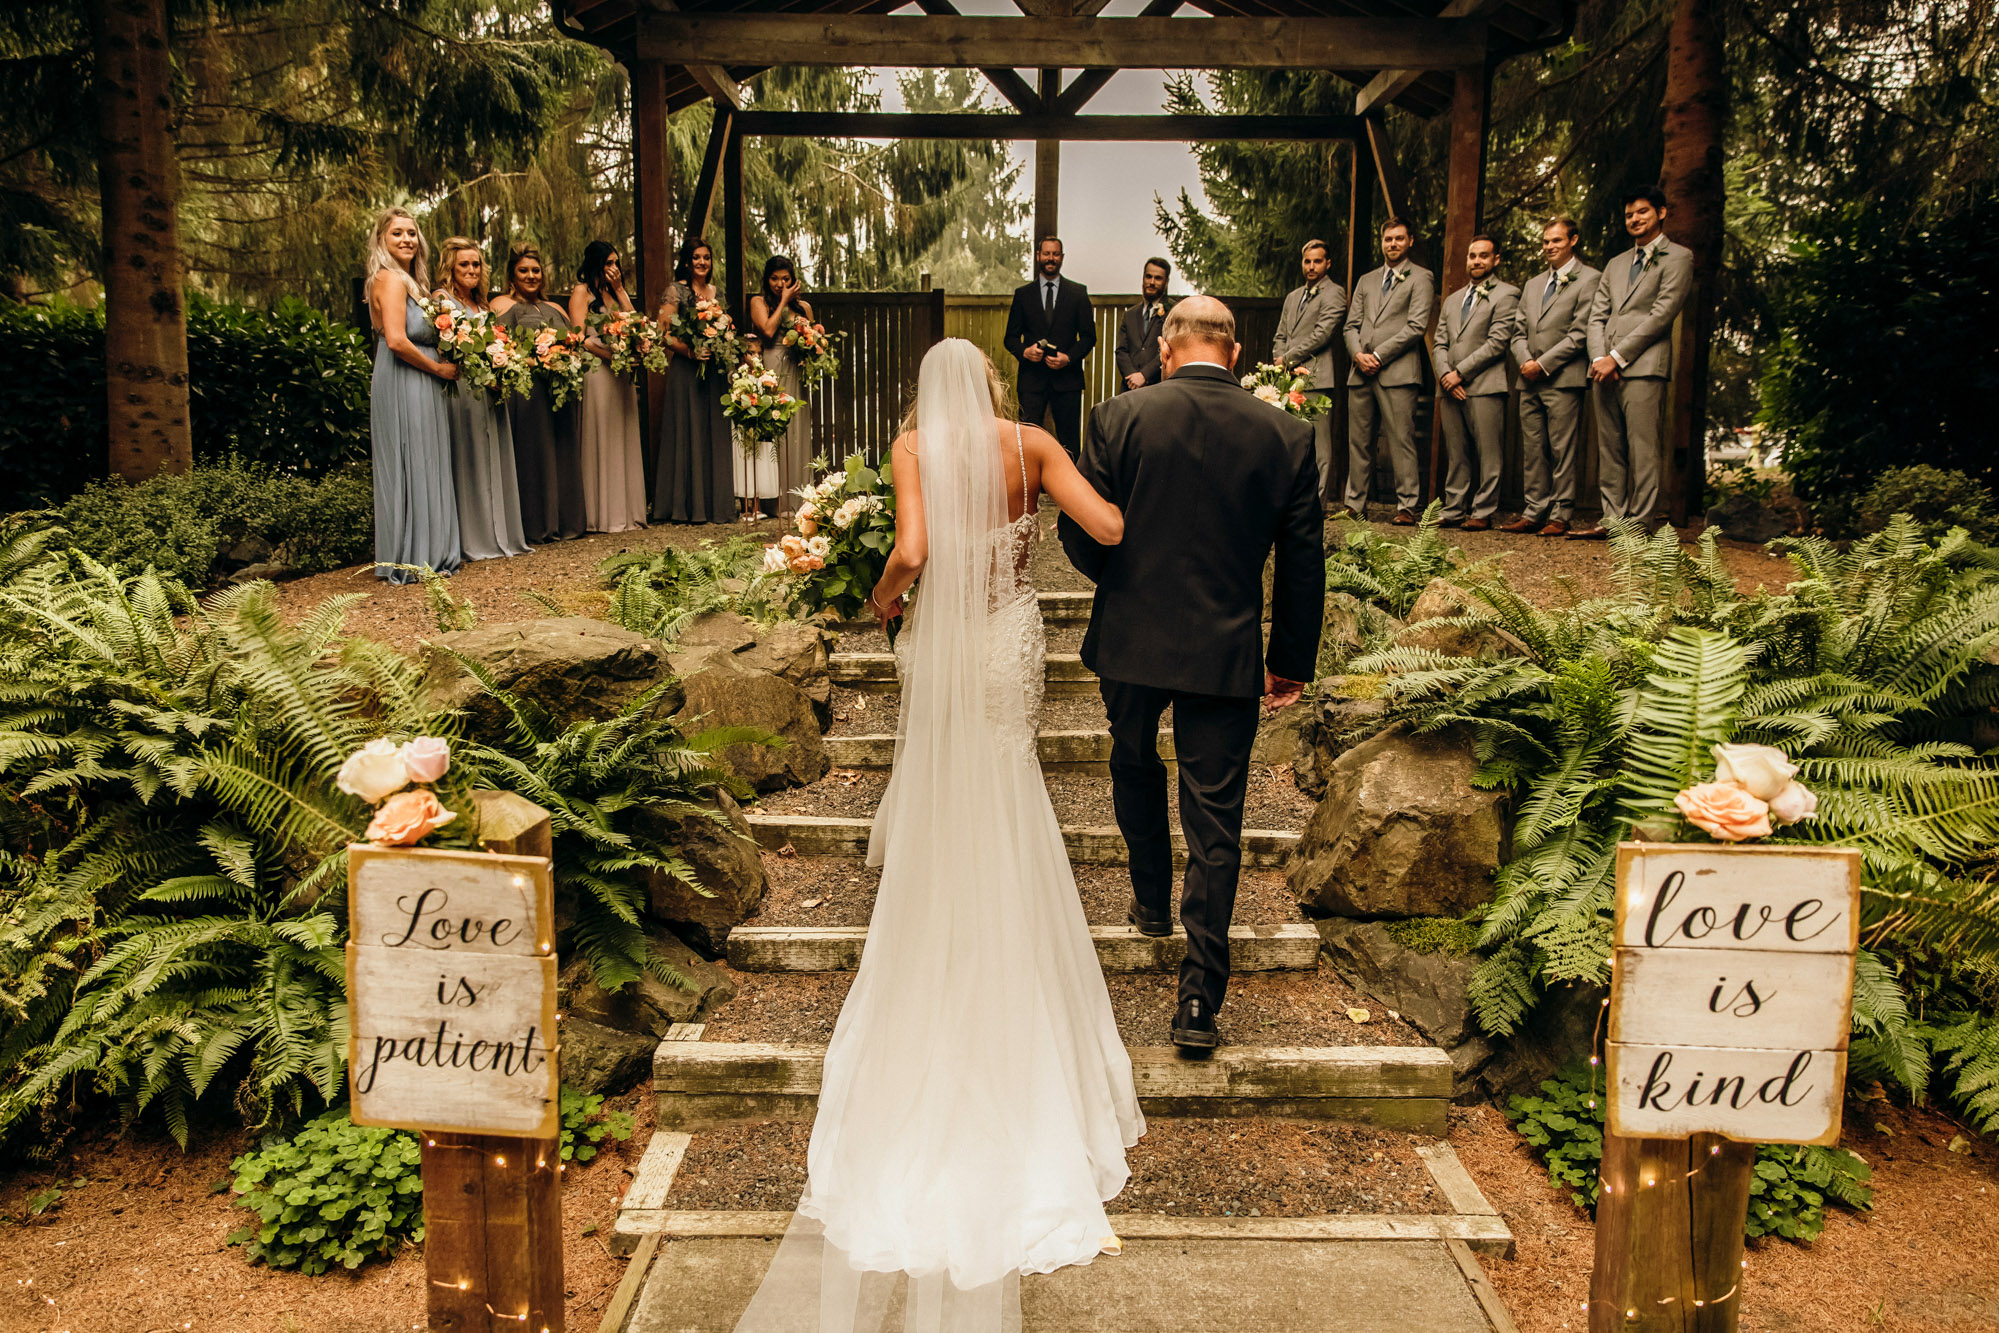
x=1138, y=329
x=1051, y=328
x=1211, y=480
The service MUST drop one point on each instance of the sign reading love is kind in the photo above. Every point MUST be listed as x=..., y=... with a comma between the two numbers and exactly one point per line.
x=1732, y=991
x=451, y=992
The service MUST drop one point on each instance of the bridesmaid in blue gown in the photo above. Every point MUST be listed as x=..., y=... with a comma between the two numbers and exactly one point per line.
x=416, y=509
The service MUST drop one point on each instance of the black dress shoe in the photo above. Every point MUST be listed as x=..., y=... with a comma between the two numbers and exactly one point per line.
x=1148, y=924
x=1194, y=1028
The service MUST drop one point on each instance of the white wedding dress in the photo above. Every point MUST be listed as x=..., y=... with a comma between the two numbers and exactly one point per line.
x=977, y=1101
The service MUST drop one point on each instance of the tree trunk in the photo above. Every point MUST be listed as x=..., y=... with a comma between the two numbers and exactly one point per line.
x=1696, y=111
x=145, y=313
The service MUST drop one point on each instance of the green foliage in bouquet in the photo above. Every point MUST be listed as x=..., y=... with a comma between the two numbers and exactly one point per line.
x=846, y=528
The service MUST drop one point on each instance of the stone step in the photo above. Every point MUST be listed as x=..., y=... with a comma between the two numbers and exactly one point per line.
x=1290, y=947
x=1057, y=608
x=832, y=835
x=1060, y=751
x=1065, y=674
x=701, y=1085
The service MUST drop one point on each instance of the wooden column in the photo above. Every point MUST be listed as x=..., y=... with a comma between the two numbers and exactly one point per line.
x=1465, y=184
x=731, y=281
x=492, y=1205
x=1669, y=1243
x=1048, y=167
x=653, y=167
x=1696, y=192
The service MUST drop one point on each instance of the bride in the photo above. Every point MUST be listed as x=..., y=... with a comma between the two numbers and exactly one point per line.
x=977, y=1101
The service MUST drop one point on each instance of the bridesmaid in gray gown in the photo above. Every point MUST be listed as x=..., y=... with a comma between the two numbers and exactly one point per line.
x=697, y=479
x=772, y=309
x=607, y=414
x=545, y=450
x=416, y=515
x=482, y=440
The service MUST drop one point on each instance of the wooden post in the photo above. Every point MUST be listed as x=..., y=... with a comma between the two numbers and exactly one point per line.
x=492, y=1205
x=1465, y=181
x=1669, y=1235
x=732, y=226
x=1696, y=104
x=1048, y=168
x=652, y=164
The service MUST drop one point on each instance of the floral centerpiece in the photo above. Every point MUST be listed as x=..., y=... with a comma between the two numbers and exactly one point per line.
x=814, y=351
x=1288, y=389
x=561, y=362
x=760, y=408
x=485, y=353
x=845, y=528
x=707, y=326
x=402, y=782
x=1754, y=787
x=634, y=342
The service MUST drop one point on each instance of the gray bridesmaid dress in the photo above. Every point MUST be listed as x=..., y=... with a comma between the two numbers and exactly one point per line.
x=697, y=478
x=482, y=464
x=416, y=513
x=549, y=468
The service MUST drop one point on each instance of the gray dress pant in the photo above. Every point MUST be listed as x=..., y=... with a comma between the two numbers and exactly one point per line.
x=1322, y=447
x=1551, y=432
x=1395, y=408
x=1631, y=455
x=1474, y=438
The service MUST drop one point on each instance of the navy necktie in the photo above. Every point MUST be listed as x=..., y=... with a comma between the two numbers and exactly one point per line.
x=1470, y=296
x=1387, y=281
x=1637, y=263
x=1554, y=285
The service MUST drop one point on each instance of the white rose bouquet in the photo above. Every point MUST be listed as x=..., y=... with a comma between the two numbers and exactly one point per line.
x=759, y=406
x=402, y=783
x=845, y=530
x=1287, y=389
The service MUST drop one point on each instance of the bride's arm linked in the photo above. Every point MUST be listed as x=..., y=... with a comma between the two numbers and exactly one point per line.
x=1102, y=520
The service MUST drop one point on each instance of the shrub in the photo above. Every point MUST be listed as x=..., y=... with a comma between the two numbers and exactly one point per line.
x=1392, y=574
x=657, y=593
x=1936, y=498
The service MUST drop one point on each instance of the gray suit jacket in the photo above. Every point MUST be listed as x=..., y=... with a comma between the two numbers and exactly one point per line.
x=1391, y=326
x=1555, y=332
x=1305, y=333
x=1475, y=345
x=1635, y=319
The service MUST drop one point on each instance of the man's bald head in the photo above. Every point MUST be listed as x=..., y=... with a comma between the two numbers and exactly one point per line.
x=1200, y=328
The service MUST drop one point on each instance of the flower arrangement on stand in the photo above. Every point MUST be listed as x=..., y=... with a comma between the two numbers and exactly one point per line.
x=402, y=782
x=1754, y=787
x=560, y=360
x=845, y=528
x=707, y=326
x=634, y=341
x=1288, y=389
x=814, y=351
x=486, y=355
x=757, y=404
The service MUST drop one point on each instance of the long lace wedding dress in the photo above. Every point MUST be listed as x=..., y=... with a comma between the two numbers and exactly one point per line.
x=977, y=1101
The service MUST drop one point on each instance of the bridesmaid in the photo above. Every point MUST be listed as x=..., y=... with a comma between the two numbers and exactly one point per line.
x=607, y=416
x=551, y=471
x=482, y=442
x=771, y=311
x=695, y=469
x=416, y=517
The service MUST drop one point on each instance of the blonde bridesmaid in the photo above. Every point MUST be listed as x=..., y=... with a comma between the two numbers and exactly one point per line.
x=482, y=439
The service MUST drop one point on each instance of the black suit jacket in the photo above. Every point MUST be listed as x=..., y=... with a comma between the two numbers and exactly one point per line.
x=1210, y=480
x=1138, y=344
x=1073, y=329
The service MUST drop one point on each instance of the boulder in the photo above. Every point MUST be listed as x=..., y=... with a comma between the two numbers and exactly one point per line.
x=722, y=695
x=726, y=860
x=793, y=650
x=1277, y=734
x=647, y=1006
x=1743, y=519
x=1352, y=627
x=575, y=668
x=1429, y=989
x=1330, y=723
x=603, y=1060
x=1401, y=831
x=1441, y=599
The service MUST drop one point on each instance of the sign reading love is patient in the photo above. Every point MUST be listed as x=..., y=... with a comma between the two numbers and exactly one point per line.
x=1732, y=991
x=451, y=992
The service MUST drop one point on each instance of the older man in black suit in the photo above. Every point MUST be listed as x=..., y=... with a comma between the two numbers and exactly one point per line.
x=1051, y=328
x=1211, y=480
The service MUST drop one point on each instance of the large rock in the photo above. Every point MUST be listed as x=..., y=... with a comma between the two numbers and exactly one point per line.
x=775, y=681
x=604, y=1060
x=1441, y=599
x=726, y=860
x=793, y=650
x=647, y=1006
x=1352, y=627
x=1401, y=831
x=575, y=668
x=1331, y=722
x=1428, y=989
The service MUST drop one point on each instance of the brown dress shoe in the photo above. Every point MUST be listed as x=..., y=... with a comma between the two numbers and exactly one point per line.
x=1450, y=522
x=1524, y=524
x=1596, y=532
x=1404, y=519
x=1477, y=524
x=1556, y=528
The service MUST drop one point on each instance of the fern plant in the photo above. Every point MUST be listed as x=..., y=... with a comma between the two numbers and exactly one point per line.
x=659, y=593
x=1392, y=574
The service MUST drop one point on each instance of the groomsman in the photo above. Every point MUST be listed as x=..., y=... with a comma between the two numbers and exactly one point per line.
x=1631, y=360
x=1469, y=355
x=1307, y=326
x=1051, y=328
x=1138, y=329
x=1548, y=340
x=1388, y=312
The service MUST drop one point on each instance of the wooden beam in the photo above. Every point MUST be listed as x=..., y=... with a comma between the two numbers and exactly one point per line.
x=715, y=81
x=1390, y=84
x=733, y=204
x=1104, y=129
x=980, y=42
x=702, y=206
x=653, y=165
x=1387, y=173
x=1091, y=81
x=1009, y=83
x=1048, y=168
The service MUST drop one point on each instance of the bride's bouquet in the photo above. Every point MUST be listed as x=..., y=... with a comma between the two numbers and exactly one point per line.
x=561, y=362
x=707, y=326
x=844, y=531
x=634, y=342
x=760, y=408
x=486, y=355
x=814, y=351
x=1287, y=389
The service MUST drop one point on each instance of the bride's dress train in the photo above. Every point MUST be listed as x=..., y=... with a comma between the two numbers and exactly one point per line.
x=976, y=1101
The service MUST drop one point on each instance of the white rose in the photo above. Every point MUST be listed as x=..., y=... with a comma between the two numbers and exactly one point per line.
x=1249, y=381
x=845, y=515
x=374, y=772
x=774, y=560
x=1793, y=804
x=1761, y=770
x=1268, y=393
x=819, y=546
x=809, y=509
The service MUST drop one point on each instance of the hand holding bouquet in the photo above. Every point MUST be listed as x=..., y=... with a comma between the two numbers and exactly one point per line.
x=710, y=334
x=813, y=350
x=486, y=355
x=1286, y=388
x=758, y=406
x=559, y=359
x=634, y=342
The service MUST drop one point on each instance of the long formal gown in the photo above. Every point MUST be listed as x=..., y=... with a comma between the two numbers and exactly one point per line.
x=697, y=455
x=607, y=436
x=793, y=449
x=482, y=466
x=549, y=473
x=409, y=427
x=976, y=1100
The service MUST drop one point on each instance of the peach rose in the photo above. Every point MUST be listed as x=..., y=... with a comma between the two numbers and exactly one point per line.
x=407, y=817
x=1724, y=810
x=807, y=524
x=444, y=322
x=426, y=758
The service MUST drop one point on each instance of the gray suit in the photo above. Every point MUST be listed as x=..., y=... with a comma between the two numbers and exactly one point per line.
x=1553, y=331
x=1390, y=323
x=1306, y=331
x=1472, y=337
x=1632, y=317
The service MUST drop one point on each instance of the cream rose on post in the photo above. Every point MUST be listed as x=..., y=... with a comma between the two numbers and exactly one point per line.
x=1761, y=770
x=1724, y=810
x=373, y=772
x=426, y=758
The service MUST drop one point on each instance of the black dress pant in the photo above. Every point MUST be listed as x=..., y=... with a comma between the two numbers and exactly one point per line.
x=1065, y=404
x=1213, y=737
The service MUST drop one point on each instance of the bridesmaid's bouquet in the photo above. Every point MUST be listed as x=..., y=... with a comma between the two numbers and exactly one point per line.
x=634, y=341
x=757, y=404
x=707, y=326
x=813, y=350
x=560, y=360
x=845, y=530
x=486, y=355
x=1287, y=389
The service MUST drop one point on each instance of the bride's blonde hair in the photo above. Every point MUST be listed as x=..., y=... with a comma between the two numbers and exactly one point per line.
x=996, y=386
x=417, y=276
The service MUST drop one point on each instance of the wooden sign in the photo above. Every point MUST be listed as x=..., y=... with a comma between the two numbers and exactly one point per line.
x=1732, y=991
x=451, y=992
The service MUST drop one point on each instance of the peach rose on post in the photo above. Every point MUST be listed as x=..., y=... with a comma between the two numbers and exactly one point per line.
x=426, y=758
x=373, y=772
x=406, y=818
x=1724, y=810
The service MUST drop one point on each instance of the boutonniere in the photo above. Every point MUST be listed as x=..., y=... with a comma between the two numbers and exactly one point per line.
x=1398, y=277
x=1564, y=280
x=1157, y=310
x=1483, y=291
